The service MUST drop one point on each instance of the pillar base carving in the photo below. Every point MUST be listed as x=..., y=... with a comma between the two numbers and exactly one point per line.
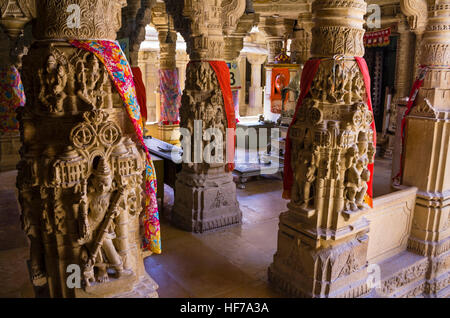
x=301, y=270
x=206, y=201
x=9, y=151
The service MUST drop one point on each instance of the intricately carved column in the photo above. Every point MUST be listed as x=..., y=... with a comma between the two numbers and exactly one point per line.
x=322, y=239
x=256, y=90
x=301, y=41
x=277, y=30
x=403, y=78
x=149, y=63
x=426, y=163
x=234, y=43
x=80, y=178
x=169, y=127
x=14, y=15
x=205, y=194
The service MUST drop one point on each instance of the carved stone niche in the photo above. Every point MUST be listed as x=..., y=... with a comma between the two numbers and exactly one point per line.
x=80, y=178
x=205, y=194
x=332, y=145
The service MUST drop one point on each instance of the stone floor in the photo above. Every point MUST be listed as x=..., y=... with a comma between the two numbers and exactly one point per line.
x=230, y=262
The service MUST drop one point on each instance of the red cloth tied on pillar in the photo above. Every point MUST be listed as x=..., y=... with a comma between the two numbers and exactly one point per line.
x=309, y=72
x=141, y=95
x=411, y=103
x=223, y=76
x=366, y=75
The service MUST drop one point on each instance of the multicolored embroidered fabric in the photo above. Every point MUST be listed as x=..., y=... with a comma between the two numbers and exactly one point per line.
x=170, y=95
x=12, y=96
x=112, y=56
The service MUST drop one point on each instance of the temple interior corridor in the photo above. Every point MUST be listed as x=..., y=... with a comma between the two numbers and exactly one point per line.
x=227, y=263
x=224, y=148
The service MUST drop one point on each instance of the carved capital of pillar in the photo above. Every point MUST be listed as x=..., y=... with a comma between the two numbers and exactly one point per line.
x=416, y=13
x=256, y=59
x=301, y=45
x=436, y=39
x=274, y=46
x=234, y=42
x=232, y=10
x=200, y=23
x=338, y=28
x=233, y=47
x=98, y=19
x=276, y=30
x=302, y=39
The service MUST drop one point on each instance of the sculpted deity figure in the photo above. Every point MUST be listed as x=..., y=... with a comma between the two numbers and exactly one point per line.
x=87, y=77
x=31, y=224
x=358, y=86
x=305, y=173
x=53, y=81
x=97, y=226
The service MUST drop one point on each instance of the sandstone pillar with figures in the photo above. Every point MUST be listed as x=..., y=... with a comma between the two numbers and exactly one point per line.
x=426, y=153
x=80, y=177
x=301, y=41
x=404, y=73
x=322, y=238
x=169, y=128
x=205, y=194
x=13, y=18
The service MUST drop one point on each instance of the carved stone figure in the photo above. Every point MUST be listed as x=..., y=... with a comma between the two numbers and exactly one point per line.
x=53, y=80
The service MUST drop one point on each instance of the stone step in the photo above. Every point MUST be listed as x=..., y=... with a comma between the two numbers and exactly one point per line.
x=403, y=275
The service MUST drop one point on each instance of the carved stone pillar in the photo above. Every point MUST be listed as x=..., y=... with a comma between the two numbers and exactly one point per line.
x=403, y=78
x=404, y=72
x=276, y=30
x=14, y=15
x=256, y=90
x=80, y=177
x=149, y=63
x=205, y=194
x=301, y=41
x=427, y=150
x=234, y=43
x=322, y=239
x=169, y=127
